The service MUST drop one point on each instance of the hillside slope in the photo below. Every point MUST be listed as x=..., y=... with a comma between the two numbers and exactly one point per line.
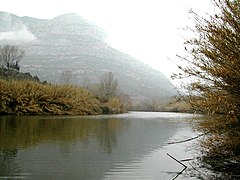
x=69, y=42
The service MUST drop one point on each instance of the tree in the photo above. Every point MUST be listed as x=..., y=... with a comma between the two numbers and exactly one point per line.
x=214, y=85
x=10, y=56
x=107, y=88
x=214, y=61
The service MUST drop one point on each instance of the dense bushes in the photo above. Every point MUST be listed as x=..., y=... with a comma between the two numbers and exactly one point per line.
x=113, y=106
x=221, y=145
x=213, y=64
x=28, y=97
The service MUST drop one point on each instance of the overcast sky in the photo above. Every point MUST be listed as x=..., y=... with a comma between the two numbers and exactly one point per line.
x=149, y=30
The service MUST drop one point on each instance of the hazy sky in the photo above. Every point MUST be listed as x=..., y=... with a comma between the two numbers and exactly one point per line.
x=149, y=30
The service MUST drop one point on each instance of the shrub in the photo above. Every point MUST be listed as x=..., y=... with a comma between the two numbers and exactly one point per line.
x=28, y=97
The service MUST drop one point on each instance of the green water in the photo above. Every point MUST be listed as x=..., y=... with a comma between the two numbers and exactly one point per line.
x=126, y=146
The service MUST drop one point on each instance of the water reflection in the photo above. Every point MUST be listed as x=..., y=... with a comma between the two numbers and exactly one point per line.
x=24, y=132
x=59, y=147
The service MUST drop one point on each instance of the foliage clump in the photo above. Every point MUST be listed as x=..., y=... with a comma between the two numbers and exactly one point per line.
x=221, y=144
x=214, y=85
x=214, y=61
x=28, y=97
x=113, y=106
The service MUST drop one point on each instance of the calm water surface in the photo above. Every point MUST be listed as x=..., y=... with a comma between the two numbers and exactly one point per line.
x=126, y=146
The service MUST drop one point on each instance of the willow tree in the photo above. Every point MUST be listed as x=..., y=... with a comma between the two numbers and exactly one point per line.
x=214, y=61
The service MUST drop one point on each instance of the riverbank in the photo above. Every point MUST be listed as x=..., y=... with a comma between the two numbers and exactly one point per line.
x=220, y=145
x=33, y=98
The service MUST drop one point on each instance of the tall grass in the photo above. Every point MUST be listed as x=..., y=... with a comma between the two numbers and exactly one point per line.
x=28, y=97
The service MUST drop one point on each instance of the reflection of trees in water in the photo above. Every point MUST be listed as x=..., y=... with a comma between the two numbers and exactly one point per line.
x=107, y=134
x=76, y=145
x=7, y=162
x=24, y=132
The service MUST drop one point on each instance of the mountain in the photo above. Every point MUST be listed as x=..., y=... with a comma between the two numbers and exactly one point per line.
x=70, y=42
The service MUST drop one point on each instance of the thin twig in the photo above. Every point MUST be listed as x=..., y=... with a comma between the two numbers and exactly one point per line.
x=177, y=160
x=185, y=167
x=183, y=160
x=203, y=134
x=179, y=173
x=190, y=139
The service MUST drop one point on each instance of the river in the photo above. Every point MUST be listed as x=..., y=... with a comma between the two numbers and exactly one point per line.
x=125, y=146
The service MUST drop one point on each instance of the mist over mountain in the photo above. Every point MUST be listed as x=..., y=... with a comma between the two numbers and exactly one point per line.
x=70, y=42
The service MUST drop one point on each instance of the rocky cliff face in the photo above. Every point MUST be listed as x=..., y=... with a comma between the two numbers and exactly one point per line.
x=69, y=42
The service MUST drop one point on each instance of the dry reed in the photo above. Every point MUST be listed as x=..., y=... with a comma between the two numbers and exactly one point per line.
x=28, y=97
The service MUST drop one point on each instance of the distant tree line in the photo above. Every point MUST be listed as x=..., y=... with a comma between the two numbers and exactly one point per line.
x=106, y=89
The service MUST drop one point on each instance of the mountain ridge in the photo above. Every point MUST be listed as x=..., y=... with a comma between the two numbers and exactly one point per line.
x=70, y=42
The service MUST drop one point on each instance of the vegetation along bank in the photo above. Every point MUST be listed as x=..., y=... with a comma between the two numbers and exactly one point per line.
x=33, y=98
x=214, y=86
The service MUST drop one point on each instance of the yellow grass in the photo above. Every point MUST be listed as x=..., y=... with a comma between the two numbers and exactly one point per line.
x=115, y=105
x=28, y=97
